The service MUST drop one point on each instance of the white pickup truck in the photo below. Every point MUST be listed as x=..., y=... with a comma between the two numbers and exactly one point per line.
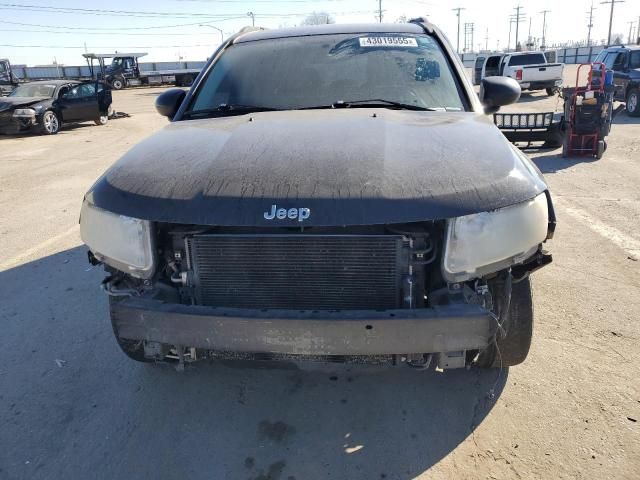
x=529, y=69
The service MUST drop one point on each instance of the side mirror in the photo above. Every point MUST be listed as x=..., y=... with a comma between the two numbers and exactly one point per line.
x=498, y=91
x=168, y=103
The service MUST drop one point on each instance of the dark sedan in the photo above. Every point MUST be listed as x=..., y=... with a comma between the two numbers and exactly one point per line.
x=44, y=106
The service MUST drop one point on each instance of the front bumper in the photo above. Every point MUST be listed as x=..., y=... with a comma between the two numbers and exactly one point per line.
x=11, y=124
x=304, y=332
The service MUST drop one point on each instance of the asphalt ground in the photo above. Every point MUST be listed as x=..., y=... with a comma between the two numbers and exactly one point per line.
x=73, y=406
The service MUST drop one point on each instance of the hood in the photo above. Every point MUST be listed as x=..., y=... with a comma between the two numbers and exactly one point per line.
x=348, y=167
x=7, y=103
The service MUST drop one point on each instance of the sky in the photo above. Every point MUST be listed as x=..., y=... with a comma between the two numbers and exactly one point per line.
x=36, y=32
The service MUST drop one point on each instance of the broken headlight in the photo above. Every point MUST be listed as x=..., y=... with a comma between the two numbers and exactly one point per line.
x=124, y=243
x=486, y=242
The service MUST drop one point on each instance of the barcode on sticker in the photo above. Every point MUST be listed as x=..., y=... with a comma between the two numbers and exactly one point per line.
x=388, y=42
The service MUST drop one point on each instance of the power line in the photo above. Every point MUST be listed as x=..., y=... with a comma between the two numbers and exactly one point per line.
x=613, y=4
x=149, y=14
x=54, y=32
x=112, y=29
x=110, y=47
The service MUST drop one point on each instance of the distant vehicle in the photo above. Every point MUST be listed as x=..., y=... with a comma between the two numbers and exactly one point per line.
x=529, y=69
x=333, y=192
x=123, y=71
x=44, y=106
x=625, y=63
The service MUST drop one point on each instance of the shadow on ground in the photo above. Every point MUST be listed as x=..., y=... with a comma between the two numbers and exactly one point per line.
x=73, y=406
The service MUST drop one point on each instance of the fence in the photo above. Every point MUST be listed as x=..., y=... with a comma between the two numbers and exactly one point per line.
x=562, y=55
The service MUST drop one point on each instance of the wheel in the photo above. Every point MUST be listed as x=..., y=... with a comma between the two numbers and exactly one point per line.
x=134, y=349
x=50, y=123
x=601, y=147
x=186, y=80
x=118, y=83
x=551, y=91
x=512, y=347
x=102, y=119
x=633, y=102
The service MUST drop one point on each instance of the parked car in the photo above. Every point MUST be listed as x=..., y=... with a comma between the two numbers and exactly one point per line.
x=625, y=63
x=530, y=69
x=355, y=203
x=44, y=106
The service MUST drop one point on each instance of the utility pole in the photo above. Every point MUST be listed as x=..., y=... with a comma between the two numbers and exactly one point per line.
x=613, y=4
x=486, y=40
x=517, y=9
x=468, y=37
x=380, y=11
x=590, y=26
x=544, y=29
x=458, y=10
x=253, y=18
x=631, y=25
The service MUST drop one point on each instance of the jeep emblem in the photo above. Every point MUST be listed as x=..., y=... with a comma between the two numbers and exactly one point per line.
x=281, y=213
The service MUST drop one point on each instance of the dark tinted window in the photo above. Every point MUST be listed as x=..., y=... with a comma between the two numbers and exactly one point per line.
x=611, y=59
x=635, y=59
x=305, y=72
x=527, y=59
x=84, y=90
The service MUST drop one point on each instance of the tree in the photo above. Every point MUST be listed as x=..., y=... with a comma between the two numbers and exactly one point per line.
x=318, y=18
x=401, y=19
x=617, y=38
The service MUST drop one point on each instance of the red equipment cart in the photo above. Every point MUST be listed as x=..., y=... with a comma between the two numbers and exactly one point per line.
x=588, y=112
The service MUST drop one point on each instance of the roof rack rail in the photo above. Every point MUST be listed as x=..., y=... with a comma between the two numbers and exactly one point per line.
x=424, y=23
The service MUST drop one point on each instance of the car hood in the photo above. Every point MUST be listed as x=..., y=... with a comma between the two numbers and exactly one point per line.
x=8, y=103
x=348, y=167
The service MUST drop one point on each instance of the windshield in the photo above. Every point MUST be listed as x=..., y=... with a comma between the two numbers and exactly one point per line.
x=34, y=91
x=116, y=62
x=318, y=71
x=527, y=59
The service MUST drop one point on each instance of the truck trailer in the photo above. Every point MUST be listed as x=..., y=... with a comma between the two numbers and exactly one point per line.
x=123, y=71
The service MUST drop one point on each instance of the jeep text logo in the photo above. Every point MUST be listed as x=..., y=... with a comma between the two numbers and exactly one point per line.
x=281, y=213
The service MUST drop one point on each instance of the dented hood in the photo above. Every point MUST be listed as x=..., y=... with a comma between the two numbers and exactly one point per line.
x=346, y=166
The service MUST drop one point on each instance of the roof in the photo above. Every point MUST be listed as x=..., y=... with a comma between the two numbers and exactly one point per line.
x=53, y=81
x=112, y=55
x=335, y=28
x=623, y=47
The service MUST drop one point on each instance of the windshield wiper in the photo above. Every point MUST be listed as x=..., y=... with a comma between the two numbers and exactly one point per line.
x=376, y=103
x=229, y=108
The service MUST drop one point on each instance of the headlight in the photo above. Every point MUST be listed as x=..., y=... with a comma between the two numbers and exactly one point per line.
x=490, y=241
x=122, y=242
x=24, y=112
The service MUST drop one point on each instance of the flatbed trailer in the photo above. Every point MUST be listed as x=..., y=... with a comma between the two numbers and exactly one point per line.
x=123, y=71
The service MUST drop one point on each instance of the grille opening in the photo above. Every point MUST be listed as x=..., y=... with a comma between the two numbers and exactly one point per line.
x=299, y=272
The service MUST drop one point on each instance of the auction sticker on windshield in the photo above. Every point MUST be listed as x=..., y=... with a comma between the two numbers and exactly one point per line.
x=388, y=42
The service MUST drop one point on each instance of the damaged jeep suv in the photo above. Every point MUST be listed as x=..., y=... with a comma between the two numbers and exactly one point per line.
x=332, y=193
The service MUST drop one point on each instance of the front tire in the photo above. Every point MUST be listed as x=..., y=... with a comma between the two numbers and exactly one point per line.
x=103, y=119
x=551, y=91
x=633, y=102
x=118, y=83
x=50, y=123
x=512, y=348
